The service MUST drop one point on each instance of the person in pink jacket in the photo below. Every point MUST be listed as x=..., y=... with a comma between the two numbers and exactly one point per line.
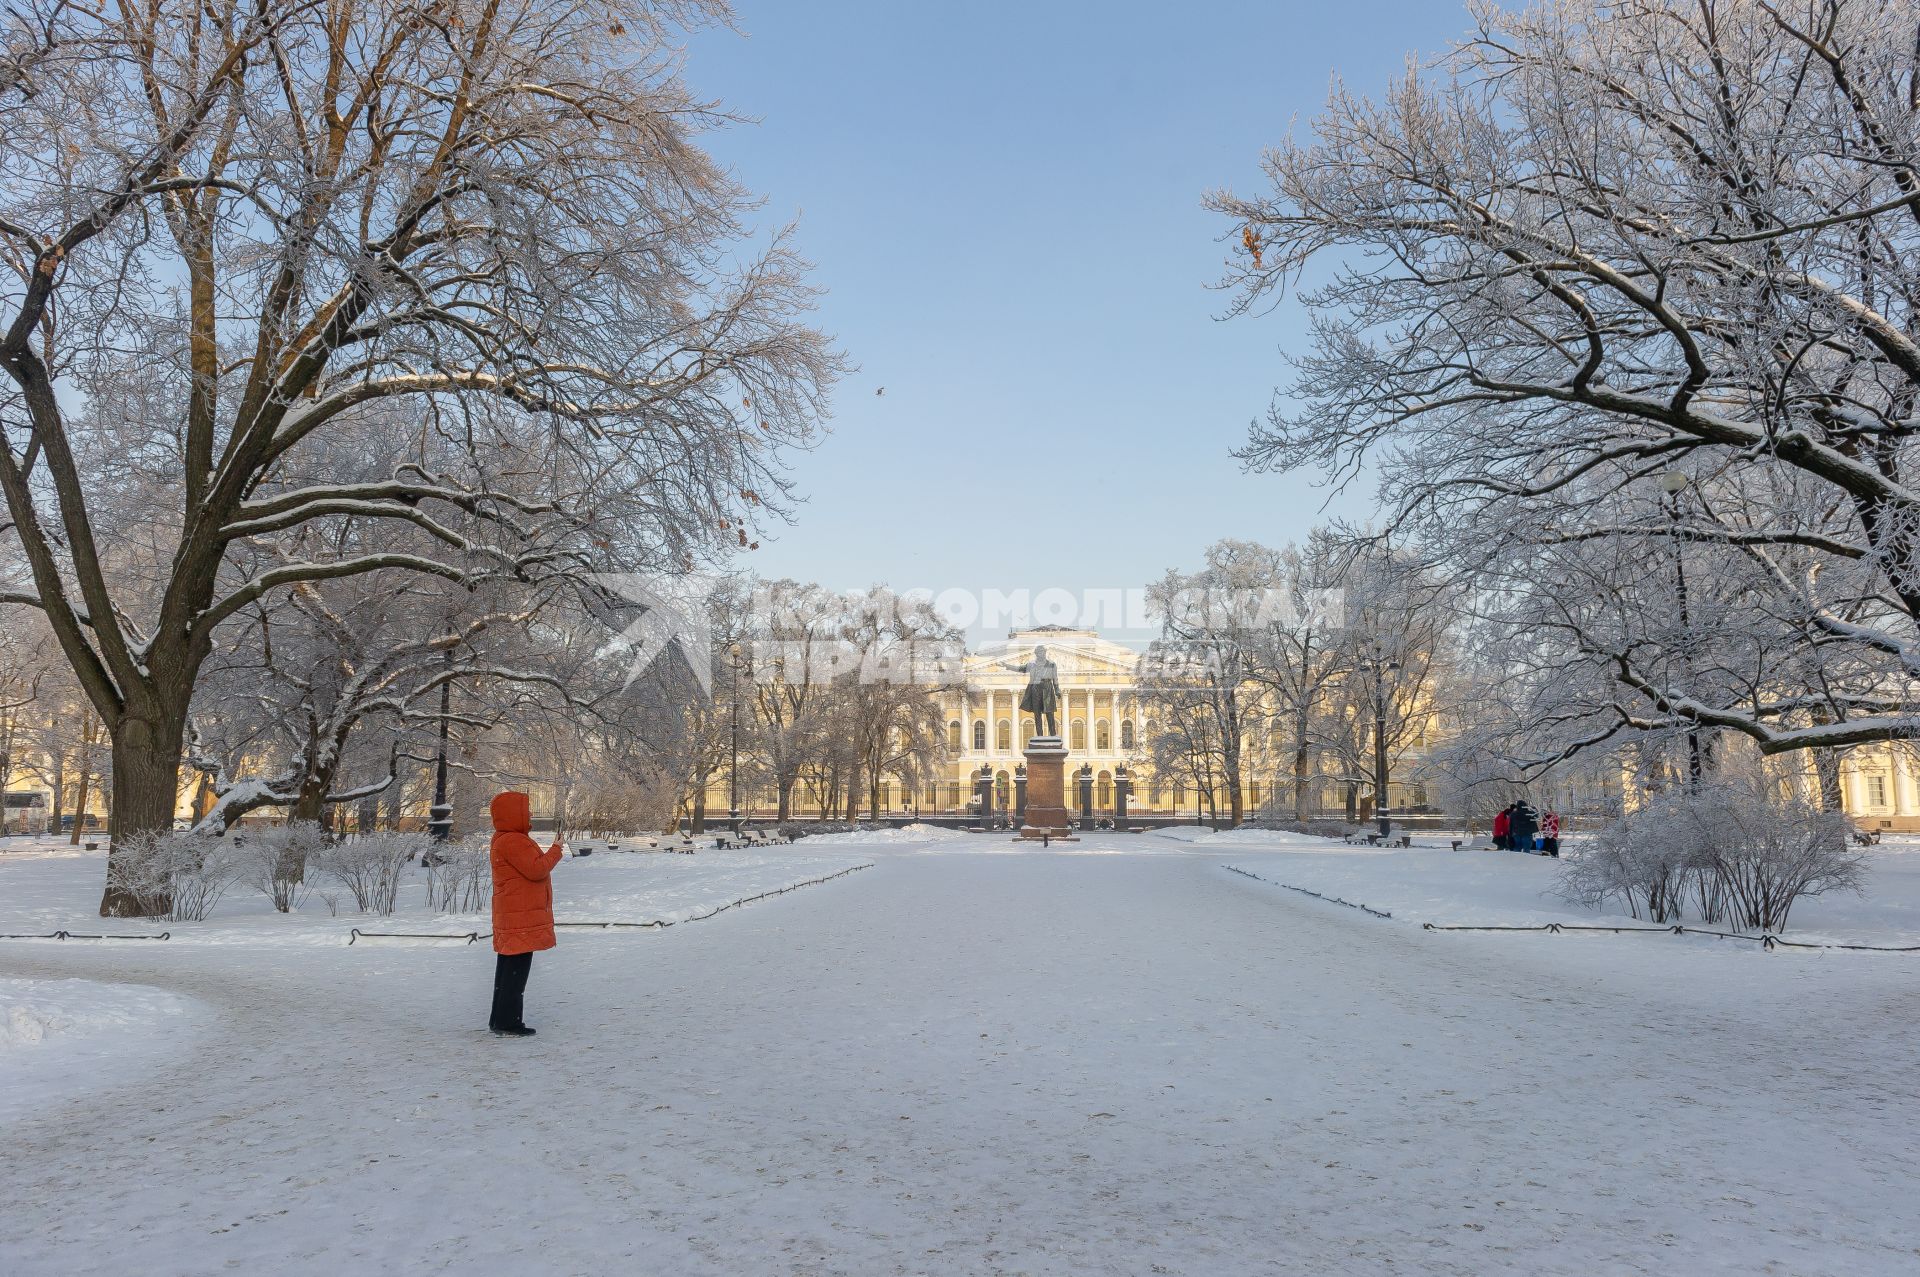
x=1550, y=833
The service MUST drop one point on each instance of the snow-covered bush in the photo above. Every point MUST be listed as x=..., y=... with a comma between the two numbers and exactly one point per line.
x=178, y=876
x=1767, y=854
x=274, y=860
x=1740, y=850
x=371, y=866
x=460, y=875
x=1644, y=860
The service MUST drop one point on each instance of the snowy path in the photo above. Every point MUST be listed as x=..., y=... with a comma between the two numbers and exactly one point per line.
x=966, y=1064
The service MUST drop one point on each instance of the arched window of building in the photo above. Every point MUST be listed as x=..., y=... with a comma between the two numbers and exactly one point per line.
x=980, y=733
x=1077, y=736
x=1026, y=729
x=1179, y=794
x=1126, y=733
x=1103, y=735
x=886, y=795
x=953, y=792
x=1253, y=793
x=1103, y=789
x=953, y=736
x=1003, y=735
x=1002, y=787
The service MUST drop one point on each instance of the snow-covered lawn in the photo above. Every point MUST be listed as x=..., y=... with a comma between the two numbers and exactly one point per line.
x=51, y=888
x=906, y=835
x=1479, y=888
x=1124, y=1059
x=63, y=1038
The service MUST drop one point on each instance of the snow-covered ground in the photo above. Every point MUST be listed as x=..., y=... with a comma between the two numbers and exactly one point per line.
x=1479, y=888
x=47, y=888
x=905, y=835
x=1120, y=1060
x=60, y=1039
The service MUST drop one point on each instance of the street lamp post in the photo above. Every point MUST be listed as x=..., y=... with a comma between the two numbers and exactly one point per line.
x=1673, y=483
x=1381, y=667
x=733, y=762
x=440, y=815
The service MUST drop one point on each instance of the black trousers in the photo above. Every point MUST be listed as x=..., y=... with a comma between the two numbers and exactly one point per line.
x=510, y=971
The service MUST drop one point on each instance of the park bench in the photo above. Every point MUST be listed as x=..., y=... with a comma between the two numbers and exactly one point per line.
x=1477, y=844
x=1865, y=837
x=1394, y=837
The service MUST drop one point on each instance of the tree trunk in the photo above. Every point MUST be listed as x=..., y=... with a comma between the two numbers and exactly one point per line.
x=59, y=787
x=699, y=819
x=146, y=786
x=88, y=738
x=395, y=796
x=785, y=799
x=311, y=805
x=1826, y=766
x=1353, y=801
x=1300, y=782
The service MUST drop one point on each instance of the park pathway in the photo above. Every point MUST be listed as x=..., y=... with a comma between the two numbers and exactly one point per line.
x=959, y=1063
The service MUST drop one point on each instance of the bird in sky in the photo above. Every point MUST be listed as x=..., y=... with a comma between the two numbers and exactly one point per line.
x=881, y=391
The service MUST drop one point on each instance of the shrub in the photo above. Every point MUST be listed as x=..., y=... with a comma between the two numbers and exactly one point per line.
x=460, y=875
x=1644, y=860
x=371, y=866
x=793, y=830
x=1740, y=849
x=176, y=876
x=1767, y=855
x=275, y=860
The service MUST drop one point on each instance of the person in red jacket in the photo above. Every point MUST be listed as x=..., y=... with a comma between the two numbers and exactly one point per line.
x=522, y=909
x=1500, y=819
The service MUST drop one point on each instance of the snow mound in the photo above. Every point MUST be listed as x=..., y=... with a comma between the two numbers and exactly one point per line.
x=62, y=1038
x=904, y=834
x=33, y=1012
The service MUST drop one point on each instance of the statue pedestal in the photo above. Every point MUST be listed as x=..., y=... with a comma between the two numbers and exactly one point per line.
x=1046, y=792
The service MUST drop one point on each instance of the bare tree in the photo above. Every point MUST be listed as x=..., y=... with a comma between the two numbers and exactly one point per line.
x=1210, y=621
x=1603, y=245
x=233, y=232
x=904, y=661
x=1297, y=658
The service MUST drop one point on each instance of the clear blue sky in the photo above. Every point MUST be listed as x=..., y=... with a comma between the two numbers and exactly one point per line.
x=1003, y=202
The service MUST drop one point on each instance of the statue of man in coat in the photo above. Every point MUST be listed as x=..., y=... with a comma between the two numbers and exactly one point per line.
x=1042, y=697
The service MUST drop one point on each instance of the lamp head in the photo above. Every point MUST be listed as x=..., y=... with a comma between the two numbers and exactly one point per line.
x=1674, y=482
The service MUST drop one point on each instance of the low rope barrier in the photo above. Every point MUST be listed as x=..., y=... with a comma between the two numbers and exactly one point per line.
x=1378, y=913
x=1765, y=940
x=82, y=935
x=473, y=937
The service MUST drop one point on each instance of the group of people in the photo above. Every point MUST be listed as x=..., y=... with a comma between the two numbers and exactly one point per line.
x=1520, y=828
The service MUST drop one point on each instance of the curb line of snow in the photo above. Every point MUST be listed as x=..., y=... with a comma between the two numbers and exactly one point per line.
x=1766, y=940
x=474, y=937
x=1378, y=913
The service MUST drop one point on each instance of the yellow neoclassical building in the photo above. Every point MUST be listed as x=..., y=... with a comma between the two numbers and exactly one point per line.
x=1102, y=721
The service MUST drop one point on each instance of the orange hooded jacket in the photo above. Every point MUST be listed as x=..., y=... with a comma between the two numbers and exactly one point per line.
x=522, y=892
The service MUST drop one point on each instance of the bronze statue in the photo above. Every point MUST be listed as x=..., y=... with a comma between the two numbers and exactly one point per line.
x=1042, y=697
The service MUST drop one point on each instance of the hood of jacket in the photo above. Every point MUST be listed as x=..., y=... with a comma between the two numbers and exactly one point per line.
x=512, y=812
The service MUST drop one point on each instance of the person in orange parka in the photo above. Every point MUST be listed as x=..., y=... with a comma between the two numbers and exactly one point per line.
x=522, y=909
